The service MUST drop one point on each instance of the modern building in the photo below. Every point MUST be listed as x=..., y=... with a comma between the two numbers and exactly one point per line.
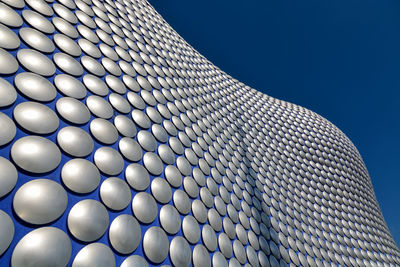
x=121, y=145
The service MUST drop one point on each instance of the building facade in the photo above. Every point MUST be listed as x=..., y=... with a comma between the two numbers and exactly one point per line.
x=121, y=145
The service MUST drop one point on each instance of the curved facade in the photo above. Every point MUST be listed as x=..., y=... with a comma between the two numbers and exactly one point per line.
x=122, y=145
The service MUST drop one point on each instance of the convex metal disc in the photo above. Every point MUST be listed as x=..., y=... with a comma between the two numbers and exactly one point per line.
x=88, y=220
x=45, y=246
x=36, y=154
x=40, y=201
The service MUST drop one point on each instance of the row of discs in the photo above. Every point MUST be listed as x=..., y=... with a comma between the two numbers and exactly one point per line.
x=120, y=144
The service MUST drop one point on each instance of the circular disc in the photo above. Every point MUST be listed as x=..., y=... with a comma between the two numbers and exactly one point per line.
x=170, y=219
x=155, y=244
x=6, y=231
x=137, y=176
x=36, y=62
x=73, y=172
x=88, y=220
x=8, y=95
x=161, y=190
x=201, y=257
x=134, y=261
x=125, y=234
x=8, y=177
x=191, y=229
x=94, y=254
x=36, y=154
x=180, y=252
x=144, y=207
x=130, y=149
x=108, y=160
x=40, y=201
x=73, y=110
x=115, y=193
x=36, y=118
x=35, y=86
x=153, y=163
x=75, y=141
x=45, y=246
x=7, y=129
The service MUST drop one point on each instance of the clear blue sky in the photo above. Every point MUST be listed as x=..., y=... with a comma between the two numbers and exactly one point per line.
x=338, y=58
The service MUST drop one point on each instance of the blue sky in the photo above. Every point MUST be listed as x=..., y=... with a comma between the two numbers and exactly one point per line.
x=338, y=58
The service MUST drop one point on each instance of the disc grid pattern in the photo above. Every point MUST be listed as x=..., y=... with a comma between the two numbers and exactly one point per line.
x=121, y=145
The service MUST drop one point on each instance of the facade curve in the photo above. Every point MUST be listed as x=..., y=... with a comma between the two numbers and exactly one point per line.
x=121, y=145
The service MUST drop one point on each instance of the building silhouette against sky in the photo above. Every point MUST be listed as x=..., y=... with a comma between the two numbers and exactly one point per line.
x=122, y=145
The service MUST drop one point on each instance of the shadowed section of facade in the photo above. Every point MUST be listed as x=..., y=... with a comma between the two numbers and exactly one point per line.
x=121, y=145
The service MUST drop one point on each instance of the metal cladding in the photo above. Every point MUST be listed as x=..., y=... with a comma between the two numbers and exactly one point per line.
x=122, y=145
